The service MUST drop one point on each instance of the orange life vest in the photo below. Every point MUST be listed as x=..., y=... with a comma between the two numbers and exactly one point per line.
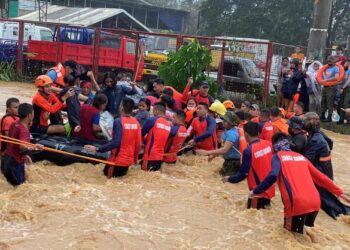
x=60, y=72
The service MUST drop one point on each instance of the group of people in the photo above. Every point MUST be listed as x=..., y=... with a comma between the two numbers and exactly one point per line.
x=323, y=96
x=257, y=144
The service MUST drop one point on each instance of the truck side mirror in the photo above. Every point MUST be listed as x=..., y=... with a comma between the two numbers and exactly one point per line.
x=240, y=74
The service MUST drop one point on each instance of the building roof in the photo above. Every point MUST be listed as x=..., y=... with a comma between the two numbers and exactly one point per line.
x=81, y=16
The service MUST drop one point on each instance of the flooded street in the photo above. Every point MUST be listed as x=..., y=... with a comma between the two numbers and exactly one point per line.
x=186, y=206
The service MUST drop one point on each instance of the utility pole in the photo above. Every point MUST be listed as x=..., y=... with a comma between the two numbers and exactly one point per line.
x=319, y=30
x=42, y=5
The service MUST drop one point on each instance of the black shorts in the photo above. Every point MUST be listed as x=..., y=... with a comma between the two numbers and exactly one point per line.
x=117, y=171
x=288, y=96
x=154, y=165
x=230, y=167
x=37, y=129
x=13, y=171
x=258, y=203
x=296, y=223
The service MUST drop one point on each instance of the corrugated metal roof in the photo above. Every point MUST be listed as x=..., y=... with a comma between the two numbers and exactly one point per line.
x=80, y=16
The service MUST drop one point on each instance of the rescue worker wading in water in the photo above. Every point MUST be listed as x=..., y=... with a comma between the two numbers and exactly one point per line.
x=157, y=129
x=126, y=142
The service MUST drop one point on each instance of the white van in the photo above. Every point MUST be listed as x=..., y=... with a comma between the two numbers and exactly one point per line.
x=9, y=32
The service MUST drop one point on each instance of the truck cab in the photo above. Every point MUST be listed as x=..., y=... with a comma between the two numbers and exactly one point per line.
x=10, y=31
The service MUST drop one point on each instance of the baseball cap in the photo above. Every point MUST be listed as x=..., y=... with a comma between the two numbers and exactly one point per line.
x=255, y=106
x=204, y=84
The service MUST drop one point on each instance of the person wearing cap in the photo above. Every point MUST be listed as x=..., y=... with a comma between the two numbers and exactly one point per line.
x=230, y=149
x=86, y=91
x=265, y=125
x=45, y=105
x=203, y=129
x=297, y=134
x=256, y=164
x=278, y=123
x=298, y=181
x=58, y=72
x=255, y=112
x=329, y=92
x=201, y=95
x=229, y=105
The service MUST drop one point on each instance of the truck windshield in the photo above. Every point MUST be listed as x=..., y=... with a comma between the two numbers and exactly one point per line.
x=45, y=35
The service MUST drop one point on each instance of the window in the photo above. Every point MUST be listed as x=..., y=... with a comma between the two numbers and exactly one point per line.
x=45, y=35
x=15, y=31
x=71, y=36
x=130, y=47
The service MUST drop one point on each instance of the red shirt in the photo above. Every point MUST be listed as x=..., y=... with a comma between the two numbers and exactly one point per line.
x=5, y=124
x=174, y=144
x=87, y=113
x=296, y=182
x=266, y=131
x=261, y=166
x=130, y=144
x=21, y=132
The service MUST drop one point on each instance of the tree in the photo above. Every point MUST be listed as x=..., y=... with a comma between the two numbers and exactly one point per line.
x=276, y=20
x=189, y=60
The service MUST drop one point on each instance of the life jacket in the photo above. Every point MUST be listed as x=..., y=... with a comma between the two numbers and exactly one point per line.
x=43, y=107
x=267, y=132
x=130, y=144
x=199, y=98
x=199, y=127
x=280, y=125
x=242, y=141
x=189, y=115
x=255, y=119
x=2, y=131
x=60, y=72
x=260, y=166
x=87, y=113
x=156, y=141
x=174, y=144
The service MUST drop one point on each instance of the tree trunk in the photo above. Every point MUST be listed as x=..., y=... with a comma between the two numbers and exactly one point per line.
x=319, y=30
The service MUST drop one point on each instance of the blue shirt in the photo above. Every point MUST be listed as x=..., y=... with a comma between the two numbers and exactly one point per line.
x=53, y=75
x=232, y=136
x=331, y=72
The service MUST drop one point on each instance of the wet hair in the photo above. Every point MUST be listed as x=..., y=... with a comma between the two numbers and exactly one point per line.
x=159, y=81
x=265, y=113
x=147, y=102
x=120, y=76
x=128, y=105
x=285, y=58
x=181, y=114
x=10, y=101
x=24, y=110
x=109, y=75
x=192, y=99
x=204, y=105
x=301, y=105
x=275, y=112
x=279, y=137
x=69, y=80
x=168, y=92
x=168, y=100
x=160, y=107
x=340, y=48
x=241, y=115
x=70, y=63
x=251, y=128
x=99, y=100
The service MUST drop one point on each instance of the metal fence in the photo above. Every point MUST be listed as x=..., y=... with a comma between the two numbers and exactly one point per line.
x=242, y=66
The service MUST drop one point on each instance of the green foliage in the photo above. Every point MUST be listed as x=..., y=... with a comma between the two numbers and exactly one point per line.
x=189, y=60
x=8, y=71
x=283, y=21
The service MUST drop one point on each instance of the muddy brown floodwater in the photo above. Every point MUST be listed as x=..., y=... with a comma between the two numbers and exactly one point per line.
x=185, y=206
